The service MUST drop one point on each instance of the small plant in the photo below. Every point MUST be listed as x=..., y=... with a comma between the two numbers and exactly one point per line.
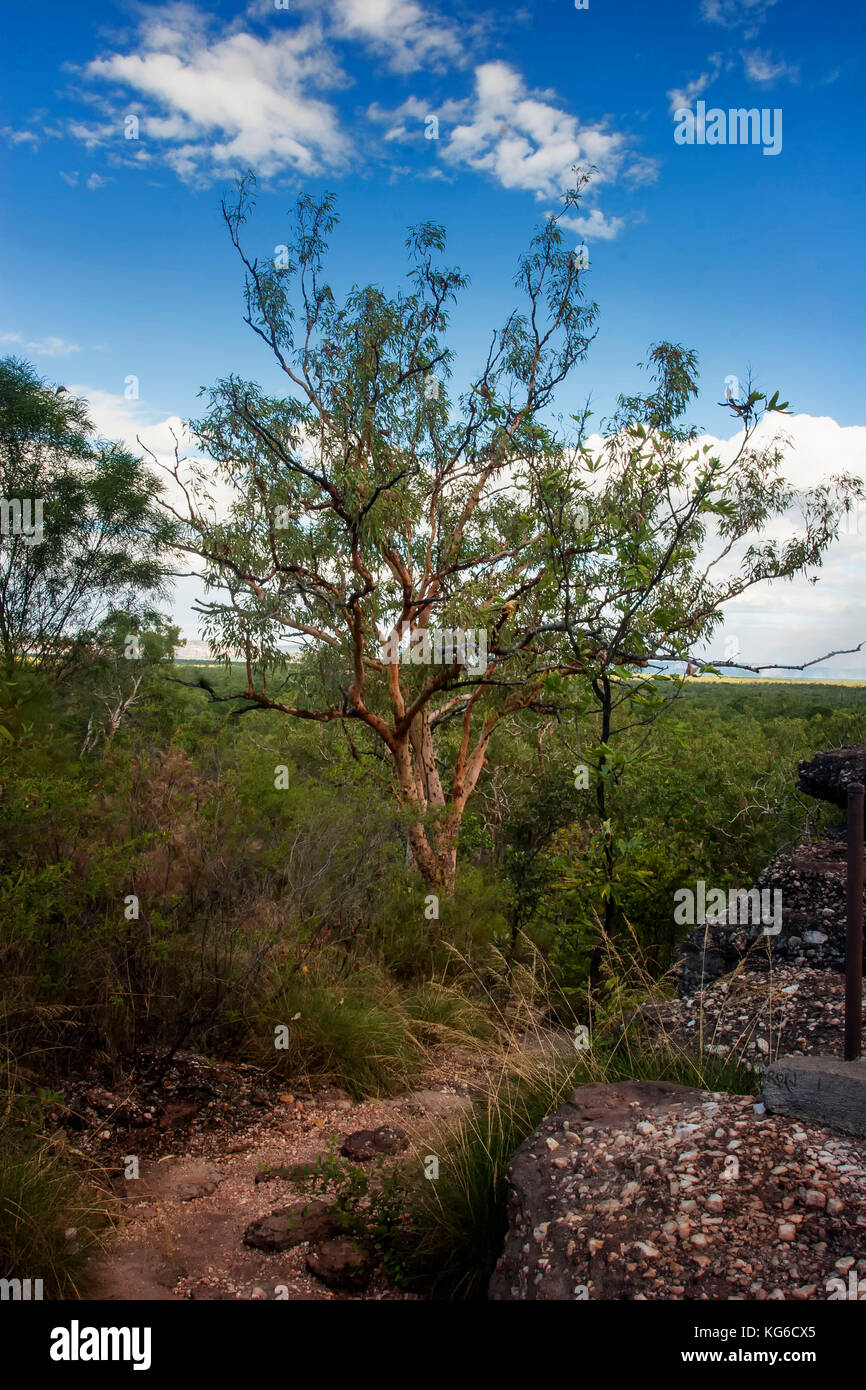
x=369, y=1204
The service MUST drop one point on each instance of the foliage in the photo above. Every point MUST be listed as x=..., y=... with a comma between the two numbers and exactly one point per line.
x=96, y=558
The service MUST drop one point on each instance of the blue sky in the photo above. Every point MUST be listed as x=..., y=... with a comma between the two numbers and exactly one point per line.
x=120, y=265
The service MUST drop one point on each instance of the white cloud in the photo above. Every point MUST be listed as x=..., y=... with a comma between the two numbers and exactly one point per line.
x=594, y=226
x=115, y=417
x=31, y=137
x=736, y=14
x=19, y=137
x=523, y=140
x=782, y=622
x=796, y=620
x=682, y=98
x=405, y=34
x=642, y=169
x=408, y=120
x=212, y=103
x=212, y=100
x=53, y=347
x=47, y=347
x=759, y=67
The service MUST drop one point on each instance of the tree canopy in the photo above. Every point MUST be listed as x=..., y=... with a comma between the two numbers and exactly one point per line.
x=371, y=506
x=84, y=542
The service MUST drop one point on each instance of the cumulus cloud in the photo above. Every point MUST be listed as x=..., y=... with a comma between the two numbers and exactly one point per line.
x=523, y=139
x=212, y=102
x=209, y=98
x=786, y=622
x=116, y=417
x=594, y=226
x=796, y=621
x=406, y=35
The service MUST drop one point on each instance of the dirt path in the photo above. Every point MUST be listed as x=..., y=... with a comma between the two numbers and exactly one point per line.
x=184, y=1217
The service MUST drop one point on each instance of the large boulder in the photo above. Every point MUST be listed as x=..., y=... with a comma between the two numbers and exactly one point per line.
x=828, y=775
x=648, y=1190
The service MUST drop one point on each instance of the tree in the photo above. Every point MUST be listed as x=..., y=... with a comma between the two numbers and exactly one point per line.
x=81, y=537
x=370, y=509
x=131, y=657
x=650, y=536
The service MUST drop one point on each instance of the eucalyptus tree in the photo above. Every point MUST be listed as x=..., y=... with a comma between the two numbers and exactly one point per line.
x=373, y=510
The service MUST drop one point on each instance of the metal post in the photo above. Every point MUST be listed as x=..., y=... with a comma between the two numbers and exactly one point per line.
x=854, y=945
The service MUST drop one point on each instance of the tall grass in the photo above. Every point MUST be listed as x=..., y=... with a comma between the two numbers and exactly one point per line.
x=361, y=1031
x=453, y=1228
x=52, y=1215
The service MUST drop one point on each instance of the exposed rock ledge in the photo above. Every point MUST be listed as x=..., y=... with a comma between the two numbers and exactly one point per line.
x=828, y=775
x=647, y=1190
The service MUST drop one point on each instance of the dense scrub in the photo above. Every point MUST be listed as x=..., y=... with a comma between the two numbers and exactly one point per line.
x=170, y=890
x=207, y=880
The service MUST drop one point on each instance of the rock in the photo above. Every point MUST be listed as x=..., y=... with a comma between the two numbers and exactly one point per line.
x=334, y=1098
x=540, y=1191
x=176, y=1114
x=692, y=1230
x=365, y=1144
x=342, y=1263
x=297, y=1172
x=799, y=1008
x=434, y=1102
x=812, y=883
x=102, y=1100
x=824, y=1089
x=828, y=775
x=291, y=1226
x=193, y=1191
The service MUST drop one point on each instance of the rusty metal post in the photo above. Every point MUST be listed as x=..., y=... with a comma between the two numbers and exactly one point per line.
x=854, y=945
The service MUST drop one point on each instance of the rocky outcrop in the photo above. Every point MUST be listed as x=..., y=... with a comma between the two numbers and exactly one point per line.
x=812, y=884
x=647, y=1190
x=828, y=775
x=752, y=1016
